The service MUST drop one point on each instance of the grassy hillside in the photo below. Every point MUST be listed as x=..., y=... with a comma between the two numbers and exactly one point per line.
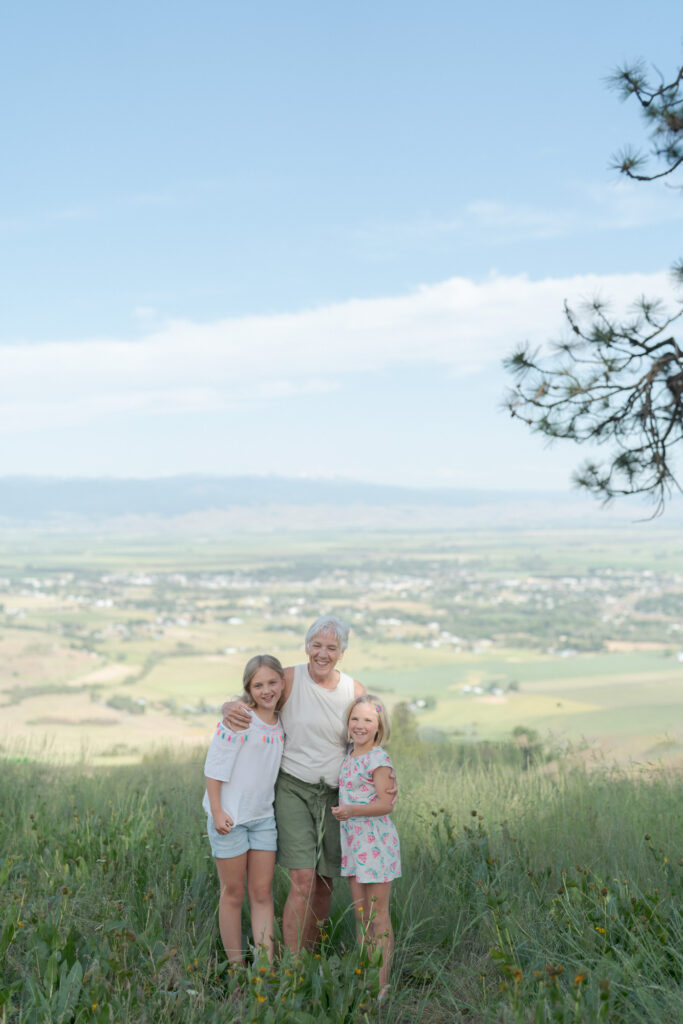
x=549, y=894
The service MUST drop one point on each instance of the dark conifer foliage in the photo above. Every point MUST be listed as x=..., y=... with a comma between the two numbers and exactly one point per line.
x=613, y=381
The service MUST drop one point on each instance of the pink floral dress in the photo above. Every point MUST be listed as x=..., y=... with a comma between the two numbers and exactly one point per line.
x=370, y=848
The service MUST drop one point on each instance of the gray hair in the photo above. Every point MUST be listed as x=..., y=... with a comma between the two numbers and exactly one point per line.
x=329, y=624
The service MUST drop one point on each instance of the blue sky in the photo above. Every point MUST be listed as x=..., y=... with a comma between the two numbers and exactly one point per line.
x=298, y=238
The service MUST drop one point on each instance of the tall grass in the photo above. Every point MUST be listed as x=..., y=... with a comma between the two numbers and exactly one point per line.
x=527, y=896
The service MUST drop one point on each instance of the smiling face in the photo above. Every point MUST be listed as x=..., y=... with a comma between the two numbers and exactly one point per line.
x=363, y=725
x=265, y=688
x=323, y=653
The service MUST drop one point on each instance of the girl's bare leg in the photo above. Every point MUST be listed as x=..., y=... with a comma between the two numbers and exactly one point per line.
x=231, y=872
x=260, y=868
x=360, y=898
x=380, y=926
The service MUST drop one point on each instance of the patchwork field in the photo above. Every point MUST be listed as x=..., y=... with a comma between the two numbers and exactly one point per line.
x=114, y=646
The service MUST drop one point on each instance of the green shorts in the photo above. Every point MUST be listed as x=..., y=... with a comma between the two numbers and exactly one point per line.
x=307, y=831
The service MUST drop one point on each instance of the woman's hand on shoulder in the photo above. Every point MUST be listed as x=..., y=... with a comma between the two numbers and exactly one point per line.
x=392, y=789
x=384, y=779
x=236, y=715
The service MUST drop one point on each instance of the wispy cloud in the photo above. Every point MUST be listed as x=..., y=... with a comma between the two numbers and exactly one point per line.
x=105, y=207
x=583, y=208
x=519, y=220
x=587, y=207
x=75, y=213
x=458, y=326
x=622, y=205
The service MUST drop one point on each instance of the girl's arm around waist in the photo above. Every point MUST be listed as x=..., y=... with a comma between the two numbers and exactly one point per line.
x=382, y=805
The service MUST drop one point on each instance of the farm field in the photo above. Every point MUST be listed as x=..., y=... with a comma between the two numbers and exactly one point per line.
x=111, y=646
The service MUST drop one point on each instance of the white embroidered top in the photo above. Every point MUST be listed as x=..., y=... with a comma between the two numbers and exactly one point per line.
x=246, y=763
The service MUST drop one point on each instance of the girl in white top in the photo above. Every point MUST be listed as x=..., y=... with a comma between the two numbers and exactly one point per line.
x=240, y=771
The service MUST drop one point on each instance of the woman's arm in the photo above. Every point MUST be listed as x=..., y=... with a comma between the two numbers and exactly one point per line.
x=382, y=805
x=236, y=715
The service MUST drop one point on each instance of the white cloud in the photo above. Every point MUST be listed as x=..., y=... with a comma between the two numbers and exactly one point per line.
x=458, y=326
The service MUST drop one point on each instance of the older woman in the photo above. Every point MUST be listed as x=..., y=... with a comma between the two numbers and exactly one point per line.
x=315, y=698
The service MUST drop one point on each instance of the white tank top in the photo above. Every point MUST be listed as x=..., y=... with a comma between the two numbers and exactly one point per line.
x=315, y=728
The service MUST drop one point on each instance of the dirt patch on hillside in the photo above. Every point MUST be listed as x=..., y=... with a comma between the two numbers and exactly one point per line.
x=624, y=646
x=107, y=674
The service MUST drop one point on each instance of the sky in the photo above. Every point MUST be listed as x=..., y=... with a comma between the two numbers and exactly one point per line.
x=299, y=238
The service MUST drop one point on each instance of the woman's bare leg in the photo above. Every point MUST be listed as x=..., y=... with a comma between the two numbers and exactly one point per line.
x=307, y=903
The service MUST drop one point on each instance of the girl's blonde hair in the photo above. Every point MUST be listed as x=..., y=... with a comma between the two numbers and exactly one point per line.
x=383, y=733
x=250, y=670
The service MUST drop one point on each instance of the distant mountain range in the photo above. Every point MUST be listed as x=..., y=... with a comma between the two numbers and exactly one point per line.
x=36, y=501
x=34, y=498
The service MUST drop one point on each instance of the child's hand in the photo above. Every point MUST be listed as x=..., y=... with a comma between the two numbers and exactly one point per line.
x=222, y=822
x=342, y=812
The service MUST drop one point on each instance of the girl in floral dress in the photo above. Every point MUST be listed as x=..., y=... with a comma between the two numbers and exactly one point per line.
x=370, y=848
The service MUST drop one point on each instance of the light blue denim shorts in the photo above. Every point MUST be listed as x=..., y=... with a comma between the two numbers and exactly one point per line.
x=260, y=834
